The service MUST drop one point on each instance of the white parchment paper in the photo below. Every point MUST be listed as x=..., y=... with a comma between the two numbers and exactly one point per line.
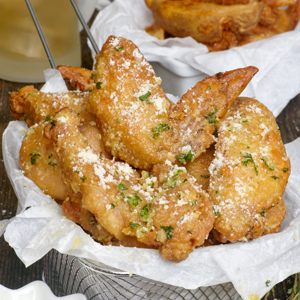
x=278, y=58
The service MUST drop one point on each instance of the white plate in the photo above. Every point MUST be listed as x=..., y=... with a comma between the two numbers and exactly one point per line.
x=35, y=290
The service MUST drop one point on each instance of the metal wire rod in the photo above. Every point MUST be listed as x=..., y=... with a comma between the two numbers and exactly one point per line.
x=41, y=34
x=85, y=26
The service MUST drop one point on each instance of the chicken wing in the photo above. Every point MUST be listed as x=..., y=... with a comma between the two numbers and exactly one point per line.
x=248, y=174
x=138, y=124
x=164, y=209
x=33, y=106
x=203, y=21
x=80, y=78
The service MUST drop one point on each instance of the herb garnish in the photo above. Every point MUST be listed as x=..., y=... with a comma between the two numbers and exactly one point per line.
x=212, y=119
x=34, y=155
x=48, y=118
x=216, y=211
x=268, y=282
x=204, y=176
x=145, y=211
x=145, y=97
x=118, y=48
x=84, y=178
x=92, y=75
x=122, y=187
x=183, y=158
x=136, y=200
x=132, y=225
x=53, y=121
x=51, y=163
x=249, y=159
x=285, y=170
x=275, y=177
x=267, y=164
x=263, y=212
x=98, y=85
x=159, y=128
x=168, y=230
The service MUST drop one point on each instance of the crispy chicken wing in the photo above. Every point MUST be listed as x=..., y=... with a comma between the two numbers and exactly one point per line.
x=80, y=78
x=33, y=106
x=205, y=22
x=137, y=122
x=164, y=209
x=248, y=174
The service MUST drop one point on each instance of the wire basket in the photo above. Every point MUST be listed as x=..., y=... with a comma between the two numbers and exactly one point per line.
x=66, y=274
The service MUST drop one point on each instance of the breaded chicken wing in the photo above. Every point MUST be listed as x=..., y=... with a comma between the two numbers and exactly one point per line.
x=138, y=124
x=33, y=106
x=205, y=22
x=165, y=209
x=80, y=78
x=248, y=174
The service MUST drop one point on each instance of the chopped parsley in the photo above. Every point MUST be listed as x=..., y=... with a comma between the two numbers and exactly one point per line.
x=211, y=118
x=136, y=200
x=145, y=211
x=245, y=121
x=122, y=187
x=263, y=212
x=159, y=128
x=98, y=85
x=100, y=156
x=34, y=155
x=132, y=225
x=145, y=97
x=183, y=158
x=189, y=231
x=285, y=170
x=220, y=75
x=118, y=120
x=216, y=211
x=193, y=202
x=76, y=171
x=48, y=118
x=267, y=164
x=275, y=177
x=53, y=121
x=209, y=87
x=88, y=90
x=51, y=163
x=118, y=48
x=204, y=176
x=50, y=156
x=92, y=222
x=185, y=180
x=112, y=205
x=92, y=75
x=84, y=178
x=267, y=282
x=249, y=159
x=168, y=230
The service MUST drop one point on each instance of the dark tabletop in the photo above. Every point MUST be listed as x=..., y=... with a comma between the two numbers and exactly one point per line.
x=13, y=273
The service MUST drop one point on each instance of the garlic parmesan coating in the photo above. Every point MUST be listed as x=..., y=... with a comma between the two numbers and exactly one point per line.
x=163, y=209
x=138, y=124
x=249, y=174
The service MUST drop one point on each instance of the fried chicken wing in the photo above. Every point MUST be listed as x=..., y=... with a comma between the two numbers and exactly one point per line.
x=205, y=22
x=33, y=106
x=165, y=209
x=248, y=174
x=80, y=78
x=39, y=163
x=138, y=124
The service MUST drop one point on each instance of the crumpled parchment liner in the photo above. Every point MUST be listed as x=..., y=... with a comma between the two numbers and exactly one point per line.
x=278, y=58
x=40, y=226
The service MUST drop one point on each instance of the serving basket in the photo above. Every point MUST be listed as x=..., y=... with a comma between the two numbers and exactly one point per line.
x=66, y=274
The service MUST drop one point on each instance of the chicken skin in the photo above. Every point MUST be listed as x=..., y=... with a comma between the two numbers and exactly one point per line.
x=138, y=124
x=248, y=174
x=163, y=209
